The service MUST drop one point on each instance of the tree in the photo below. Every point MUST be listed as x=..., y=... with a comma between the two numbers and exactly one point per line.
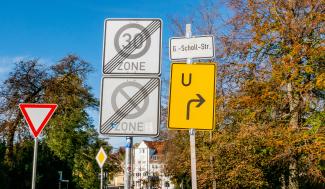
x=24, y=84
x=270, y=103
x=71, y=126
x=68, y=142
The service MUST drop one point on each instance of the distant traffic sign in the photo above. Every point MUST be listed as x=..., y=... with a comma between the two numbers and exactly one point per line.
x=130, y=106
x=132, y=46
x=198, y=47
x=37, y=115
x=192, y=96
x=101, y=157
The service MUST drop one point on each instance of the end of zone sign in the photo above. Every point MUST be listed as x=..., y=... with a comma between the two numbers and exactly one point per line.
x=130, y=106
x=132, y=46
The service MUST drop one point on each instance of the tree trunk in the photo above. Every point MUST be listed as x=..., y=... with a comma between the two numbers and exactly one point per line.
x=10, y=144
x=294, y=124
x=294, y=107
x=12, y=127
x=293, y=181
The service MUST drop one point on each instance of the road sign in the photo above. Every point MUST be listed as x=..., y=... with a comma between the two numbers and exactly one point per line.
x=192, y=96
x=198, y=47
x=101, y=157
x=130, y=106
x=132, y=46
x=37, y=115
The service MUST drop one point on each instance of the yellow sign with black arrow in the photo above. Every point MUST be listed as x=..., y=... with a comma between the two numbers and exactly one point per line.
x=192, y=96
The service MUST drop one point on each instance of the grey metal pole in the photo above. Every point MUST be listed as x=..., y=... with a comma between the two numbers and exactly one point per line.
x=34, y=163
x=127, y=171
x=214, y=182
x=192, y=131
x=193, y=158
x=101, y=178
x=188, y=35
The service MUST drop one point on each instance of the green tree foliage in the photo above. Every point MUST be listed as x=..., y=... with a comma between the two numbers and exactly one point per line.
x=86, y=169
x=270, y=104
x=68, y=89
x=69, y=142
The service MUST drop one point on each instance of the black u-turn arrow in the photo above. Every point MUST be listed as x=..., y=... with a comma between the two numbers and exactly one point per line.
x=200, y=101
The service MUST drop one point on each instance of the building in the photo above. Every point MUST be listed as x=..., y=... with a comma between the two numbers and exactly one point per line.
x=148, y=166
x=116, y=182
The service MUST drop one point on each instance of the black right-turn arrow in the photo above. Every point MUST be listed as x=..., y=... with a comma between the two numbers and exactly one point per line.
x=200, y=101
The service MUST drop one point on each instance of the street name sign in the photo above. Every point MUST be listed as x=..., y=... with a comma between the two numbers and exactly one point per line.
x=37, y=115
x=132, y=46
x=130, y=106
x=198, y=47
x=192, y=96
x=101, y=157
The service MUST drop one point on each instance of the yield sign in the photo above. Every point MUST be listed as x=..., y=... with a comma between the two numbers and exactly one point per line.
x=37, y=115
x=101, y=157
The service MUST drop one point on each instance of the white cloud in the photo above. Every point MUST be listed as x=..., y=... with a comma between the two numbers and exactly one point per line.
x=8, y=59
x=7, y=62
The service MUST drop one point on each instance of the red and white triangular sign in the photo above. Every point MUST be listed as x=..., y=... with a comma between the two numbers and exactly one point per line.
x=37, y=115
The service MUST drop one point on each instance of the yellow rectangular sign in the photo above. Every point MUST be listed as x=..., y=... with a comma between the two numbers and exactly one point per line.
x=192, y=96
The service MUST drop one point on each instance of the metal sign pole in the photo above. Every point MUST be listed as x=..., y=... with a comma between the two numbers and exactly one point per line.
x=214, y=182
x=193, y=158
x=101, y=178
x=127, y=171
x=192, y=131
x=34, y=162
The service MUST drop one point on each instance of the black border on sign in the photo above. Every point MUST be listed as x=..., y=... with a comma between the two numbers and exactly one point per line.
x=214, y=97
x=133, y=135
x=132, y=19
x=198, y=36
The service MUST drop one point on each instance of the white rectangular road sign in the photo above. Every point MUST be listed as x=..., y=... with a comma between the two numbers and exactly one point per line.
x=132, y=46
x=130, y=106
x=198, y=47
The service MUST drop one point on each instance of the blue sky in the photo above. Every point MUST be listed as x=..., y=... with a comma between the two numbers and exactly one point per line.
x=49, y=30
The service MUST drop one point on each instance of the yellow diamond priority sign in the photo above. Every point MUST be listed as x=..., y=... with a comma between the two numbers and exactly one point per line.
x=101, y=157
x=192, y=96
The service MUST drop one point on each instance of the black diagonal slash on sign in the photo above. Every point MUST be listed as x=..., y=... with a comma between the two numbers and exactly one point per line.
x=130, y=105
x=130, y=48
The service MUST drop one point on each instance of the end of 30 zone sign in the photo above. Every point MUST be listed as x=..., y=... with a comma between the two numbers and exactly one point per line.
x=132, y=46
